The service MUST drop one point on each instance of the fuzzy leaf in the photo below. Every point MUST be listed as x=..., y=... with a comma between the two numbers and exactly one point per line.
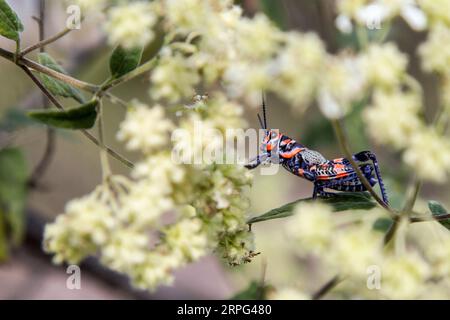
x=340, y=202
x=124, y=60
x=57, y=87
x=82, y=117
x=10, y=24
x=437, y=209
x=13, y=190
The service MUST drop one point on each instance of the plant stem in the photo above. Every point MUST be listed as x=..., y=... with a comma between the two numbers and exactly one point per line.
x=327, y=287
x=346, y=149
x=414, y=192
x=22, y=61
x=44, y=42
x=146, y=67
x=111, y=152
x=49, y=151
x=106, y=170
x=116, y=100
x=426, y=218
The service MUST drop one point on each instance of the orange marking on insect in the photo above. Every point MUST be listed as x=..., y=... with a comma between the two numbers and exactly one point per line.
x=290, y=154
x=301, y=172
x=327, y=177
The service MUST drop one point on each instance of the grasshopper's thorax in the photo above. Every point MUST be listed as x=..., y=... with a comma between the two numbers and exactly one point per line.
x=279, y=143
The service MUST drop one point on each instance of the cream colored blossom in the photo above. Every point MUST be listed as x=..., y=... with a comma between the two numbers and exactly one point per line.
x=311, y=227
x=256, y=38
x=125, y=249
x=131, y=24
x=384, y=65
x=438, y=11
x=165, y=85
x=244, y=79
x=190, y=15
x=187, y=237
x=145, y=129
x=429, y=154
x=435, y=51
x=372, y=14
x=355, y=248
x=343, y=83
x=297, y=69
x=438, y=253
x=237, y=248
x=393, y=118
x=403, y=277
x=80, y=231
x=145, y=203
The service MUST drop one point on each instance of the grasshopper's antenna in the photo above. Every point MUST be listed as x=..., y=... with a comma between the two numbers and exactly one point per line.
x=264, y=110
x=260, y=121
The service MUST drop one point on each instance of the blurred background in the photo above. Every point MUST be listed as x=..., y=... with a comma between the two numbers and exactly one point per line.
x=28, y=273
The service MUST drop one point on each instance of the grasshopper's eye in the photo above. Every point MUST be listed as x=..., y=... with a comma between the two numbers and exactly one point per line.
x=273, y=135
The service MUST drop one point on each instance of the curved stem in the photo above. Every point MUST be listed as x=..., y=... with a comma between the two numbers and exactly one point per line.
x=43, y=43
x=146, y=67
x=116, y=100
x=49, y=151
x=345, y=148
x=417, y=184
x=327, y=287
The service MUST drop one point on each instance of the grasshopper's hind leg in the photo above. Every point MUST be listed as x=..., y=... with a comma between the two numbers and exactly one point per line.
x=319, y=191
x=370, y=156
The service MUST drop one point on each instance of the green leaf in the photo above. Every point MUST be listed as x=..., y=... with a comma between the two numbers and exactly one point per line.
x=340, y=202
x=10, y=24
x=382, y=224
x=255, y=291
x=438, y=209
x=13, y=191
x=82, y=117
x=58, y=87
x=124, y=61
x=274, y=10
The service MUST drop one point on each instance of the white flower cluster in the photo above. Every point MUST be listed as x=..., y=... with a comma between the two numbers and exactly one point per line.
x=394, y=117
x=132, y=24
x=167, y=214
x=347, y=243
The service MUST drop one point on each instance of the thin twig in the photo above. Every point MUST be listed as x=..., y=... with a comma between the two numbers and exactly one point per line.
x=346, y=149
x=113, y=153
x=417, y=184
x=440, y=217
x=327, y=287
x=49, y=150
x=22, y=61
x=146, y=67
x=116, y=100
x=43, y=43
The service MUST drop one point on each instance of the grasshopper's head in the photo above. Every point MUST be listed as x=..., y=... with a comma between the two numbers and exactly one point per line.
x=271, y=137
x=270, y=140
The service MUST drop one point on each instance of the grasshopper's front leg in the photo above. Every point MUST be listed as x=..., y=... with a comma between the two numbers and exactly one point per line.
x=256, y=161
